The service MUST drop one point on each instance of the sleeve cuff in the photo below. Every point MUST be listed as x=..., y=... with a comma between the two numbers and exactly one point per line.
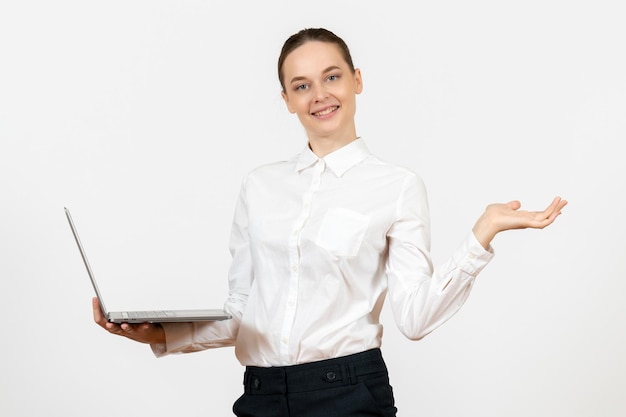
x=471, y=257
x=177, y=336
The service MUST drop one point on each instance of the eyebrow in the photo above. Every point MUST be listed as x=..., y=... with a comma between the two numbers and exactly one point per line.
x=327, y=70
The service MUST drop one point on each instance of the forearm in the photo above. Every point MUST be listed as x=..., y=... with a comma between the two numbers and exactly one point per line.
x=422, y=302
x=194, y=337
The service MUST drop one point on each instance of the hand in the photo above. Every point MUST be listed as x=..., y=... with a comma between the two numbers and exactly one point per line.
x=500, y=217
x=144, y=332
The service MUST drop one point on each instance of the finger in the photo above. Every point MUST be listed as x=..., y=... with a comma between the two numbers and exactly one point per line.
x=549, y=211
x=558, y=206
x=131, y=330
x=139, y=332
x=114, y=328
x=103, y=322
x=98, y=317
x=552, y=212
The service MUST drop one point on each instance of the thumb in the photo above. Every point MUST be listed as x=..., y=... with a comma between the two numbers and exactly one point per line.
x=514, y=205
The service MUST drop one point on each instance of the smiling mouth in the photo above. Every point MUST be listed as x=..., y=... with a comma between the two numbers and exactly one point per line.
x=326, y=111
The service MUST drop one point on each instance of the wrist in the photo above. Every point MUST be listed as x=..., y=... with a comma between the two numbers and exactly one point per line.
x=484, y=232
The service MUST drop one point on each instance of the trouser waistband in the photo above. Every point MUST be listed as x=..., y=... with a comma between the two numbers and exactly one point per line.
x=327, y=373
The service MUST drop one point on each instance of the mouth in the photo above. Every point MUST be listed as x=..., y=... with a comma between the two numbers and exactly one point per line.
x=326, y=111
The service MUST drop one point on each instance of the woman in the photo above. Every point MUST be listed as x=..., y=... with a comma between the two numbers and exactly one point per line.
x=318, y=243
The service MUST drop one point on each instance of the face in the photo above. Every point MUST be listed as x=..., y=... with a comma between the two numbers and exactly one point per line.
x=321, y=89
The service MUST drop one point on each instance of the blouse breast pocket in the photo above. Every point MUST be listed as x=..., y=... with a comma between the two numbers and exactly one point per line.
x=342, y=231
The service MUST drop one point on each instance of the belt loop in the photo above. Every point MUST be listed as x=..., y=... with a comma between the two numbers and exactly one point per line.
x=349, y=373
x=353, y=372
x=246, y=379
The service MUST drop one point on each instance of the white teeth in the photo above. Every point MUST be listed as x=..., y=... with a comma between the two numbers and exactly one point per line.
x=325, y=112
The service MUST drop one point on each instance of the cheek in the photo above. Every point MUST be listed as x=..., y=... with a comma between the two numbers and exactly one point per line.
x=348, y=99
x=300, y=105
x=292, y=101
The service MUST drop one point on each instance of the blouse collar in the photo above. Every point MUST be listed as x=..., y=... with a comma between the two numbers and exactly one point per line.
x=339, y=161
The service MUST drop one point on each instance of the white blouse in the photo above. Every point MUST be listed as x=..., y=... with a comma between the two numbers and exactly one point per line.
x=317, y=246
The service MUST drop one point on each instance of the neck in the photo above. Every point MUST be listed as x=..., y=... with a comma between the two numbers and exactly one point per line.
x=323, y=146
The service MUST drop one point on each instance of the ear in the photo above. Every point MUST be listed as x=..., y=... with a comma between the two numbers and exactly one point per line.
x=287, y=102
x=358, y=80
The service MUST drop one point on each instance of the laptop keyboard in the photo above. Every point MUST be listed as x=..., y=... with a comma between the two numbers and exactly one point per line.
x=144, y=314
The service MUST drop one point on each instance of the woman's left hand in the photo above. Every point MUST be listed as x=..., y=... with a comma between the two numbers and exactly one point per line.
x=499, y=217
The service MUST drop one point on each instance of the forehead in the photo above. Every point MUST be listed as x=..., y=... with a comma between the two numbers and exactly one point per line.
x=312, y=58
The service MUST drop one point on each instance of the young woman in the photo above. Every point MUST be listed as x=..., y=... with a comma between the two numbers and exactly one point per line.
x=318, y=242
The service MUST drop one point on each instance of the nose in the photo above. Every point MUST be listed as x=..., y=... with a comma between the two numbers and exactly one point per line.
x=319, y=92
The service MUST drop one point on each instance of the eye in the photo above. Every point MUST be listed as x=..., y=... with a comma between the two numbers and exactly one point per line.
x=300, y=87
x=333, y=77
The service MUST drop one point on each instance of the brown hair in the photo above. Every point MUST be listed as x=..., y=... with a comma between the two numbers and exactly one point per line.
x=307, y=35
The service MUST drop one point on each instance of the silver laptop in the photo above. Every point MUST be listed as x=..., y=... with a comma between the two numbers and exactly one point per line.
x=145, y=316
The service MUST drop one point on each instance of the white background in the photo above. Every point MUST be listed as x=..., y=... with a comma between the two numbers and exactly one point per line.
x=143, y=116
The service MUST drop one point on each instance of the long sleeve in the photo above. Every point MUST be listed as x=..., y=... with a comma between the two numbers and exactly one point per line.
x=422, y=297
x=193, y=337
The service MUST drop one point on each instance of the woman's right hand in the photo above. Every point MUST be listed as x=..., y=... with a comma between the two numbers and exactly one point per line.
x=143, y=332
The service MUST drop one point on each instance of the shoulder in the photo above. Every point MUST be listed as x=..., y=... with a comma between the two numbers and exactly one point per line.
x=271, y=170
x=394, y=172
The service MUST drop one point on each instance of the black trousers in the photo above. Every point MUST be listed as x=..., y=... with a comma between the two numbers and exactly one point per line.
x=354, y=385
